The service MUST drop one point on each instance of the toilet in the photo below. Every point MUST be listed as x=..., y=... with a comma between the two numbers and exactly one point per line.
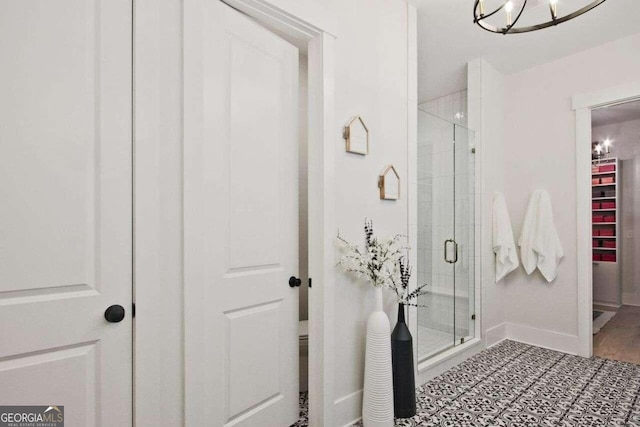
x=303, y=336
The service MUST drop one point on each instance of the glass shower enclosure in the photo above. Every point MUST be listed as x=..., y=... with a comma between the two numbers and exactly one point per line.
x=446, y=235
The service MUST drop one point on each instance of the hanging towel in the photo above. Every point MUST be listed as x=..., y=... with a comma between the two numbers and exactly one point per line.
x=539, y=242
x=504, y=246
x=547, y=242
x=527, y=236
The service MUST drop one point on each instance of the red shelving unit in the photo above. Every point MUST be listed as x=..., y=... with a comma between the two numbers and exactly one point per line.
x=604, y=209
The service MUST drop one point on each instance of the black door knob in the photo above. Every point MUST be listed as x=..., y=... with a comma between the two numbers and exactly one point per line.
x=294, y=281
x=114, y=314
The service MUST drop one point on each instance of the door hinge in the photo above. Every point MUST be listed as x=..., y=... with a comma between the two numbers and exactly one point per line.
x=473, y=317
x=309, y=281
x=133, y=309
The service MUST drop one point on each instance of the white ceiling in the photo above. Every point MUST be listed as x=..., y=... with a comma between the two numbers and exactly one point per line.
x=448, y=39
x=616, y=114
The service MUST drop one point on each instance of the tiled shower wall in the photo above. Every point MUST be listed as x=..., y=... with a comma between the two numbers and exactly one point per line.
x=436, y=201
x=452, y=107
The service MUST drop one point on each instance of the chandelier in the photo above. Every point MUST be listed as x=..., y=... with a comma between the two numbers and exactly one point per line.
x=508, y=7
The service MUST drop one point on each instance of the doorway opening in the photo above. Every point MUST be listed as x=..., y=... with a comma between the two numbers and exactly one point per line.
x=615, y=214
x=303, y=246
x=305, y=282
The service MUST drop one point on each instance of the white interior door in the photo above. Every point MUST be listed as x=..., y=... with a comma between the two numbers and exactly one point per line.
x=241, y=221
x=65, y=216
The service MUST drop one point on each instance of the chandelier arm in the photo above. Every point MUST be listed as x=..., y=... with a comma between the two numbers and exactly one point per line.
x=580, y=11
x=494, y=29
x=485, y=16
x=506, y=30
x=487, y=27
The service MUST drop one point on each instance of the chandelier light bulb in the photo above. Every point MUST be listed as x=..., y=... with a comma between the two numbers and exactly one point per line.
x=553, y=4
x=508, y=7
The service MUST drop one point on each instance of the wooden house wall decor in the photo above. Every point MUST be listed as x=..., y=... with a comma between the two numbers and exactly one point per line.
x=356, y=135
x=389, y=184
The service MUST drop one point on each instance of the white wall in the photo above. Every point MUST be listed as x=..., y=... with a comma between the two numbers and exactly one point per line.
x=631, y=234
x=539, y=152
x=371, y=79
x=629, y=219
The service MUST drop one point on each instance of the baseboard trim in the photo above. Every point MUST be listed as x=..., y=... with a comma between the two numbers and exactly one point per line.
x=607, y=304
x=348, y=408
x=351, y=423
x=544, y=338
x=496, y=334
x=629, y=298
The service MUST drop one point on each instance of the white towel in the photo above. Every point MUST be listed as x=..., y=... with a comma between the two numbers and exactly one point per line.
x=527, y=236
x=504, y=246
x=539, y=242
x=547, y=242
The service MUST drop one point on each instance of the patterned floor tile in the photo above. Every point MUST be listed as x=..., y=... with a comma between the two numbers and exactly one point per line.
x=518, y=385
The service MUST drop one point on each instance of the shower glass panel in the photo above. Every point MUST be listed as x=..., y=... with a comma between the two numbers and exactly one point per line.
x=446, y=233
x=464, y=230
x=435, y=235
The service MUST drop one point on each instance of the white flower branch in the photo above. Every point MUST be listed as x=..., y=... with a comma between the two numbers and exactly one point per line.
x=382, y=263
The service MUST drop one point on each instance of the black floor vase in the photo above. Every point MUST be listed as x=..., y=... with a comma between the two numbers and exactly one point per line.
x=404, y=383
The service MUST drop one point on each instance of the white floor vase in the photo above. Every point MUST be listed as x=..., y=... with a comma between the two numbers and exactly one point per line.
x=377, y=403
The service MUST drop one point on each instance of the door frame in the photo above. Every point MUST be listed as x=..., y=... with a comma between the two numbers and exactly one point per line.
x=306, y=21
x=583, y=104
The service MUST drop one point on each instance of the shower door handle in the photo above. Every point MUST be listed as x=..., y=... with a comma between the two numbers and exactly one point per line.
x=455, y=251
x=446, y=252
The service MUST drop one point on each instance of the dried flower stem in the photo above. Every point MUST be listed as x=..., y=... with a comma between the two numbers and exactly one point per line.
x=382, y=263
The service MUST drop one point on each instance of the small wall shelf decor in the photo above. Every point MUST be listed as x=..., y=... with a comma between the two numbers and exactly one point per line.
x=389, y=184
x=356, y=135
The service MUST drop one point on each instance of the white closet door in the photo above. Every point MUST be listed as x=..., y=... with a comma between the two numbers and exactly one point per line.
x=65, y=216
x=241, y=221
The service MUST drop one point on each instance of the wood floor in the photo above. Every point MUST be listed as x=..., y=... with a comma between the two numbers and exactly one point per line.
x=619, y=339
